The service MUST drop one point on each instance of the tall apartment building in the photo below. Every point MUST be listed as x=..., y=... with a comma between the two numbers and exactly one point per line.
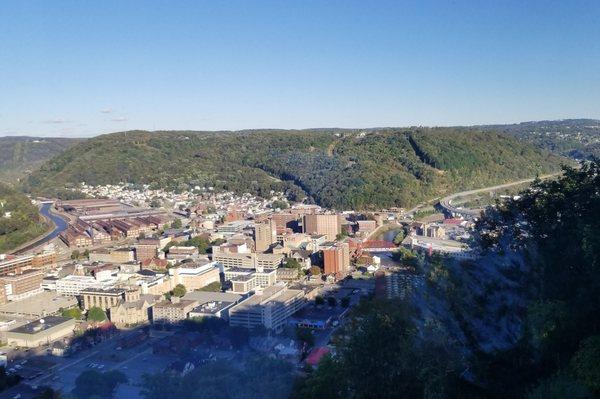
x=265, y=235
x=270, y=308
x=326, y=224
x=336, y=259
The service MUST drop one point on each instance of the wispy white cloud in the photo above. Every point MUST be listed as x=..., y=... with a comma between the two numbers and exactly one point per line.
x=119, y=119
x=56, y=121
x=106, y=110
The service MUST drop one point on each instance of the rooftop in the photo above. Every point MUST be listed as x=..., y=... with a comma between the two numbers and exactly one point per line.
x=212, y=307
x=274, y=293
x=204, y=296
x=37, y=326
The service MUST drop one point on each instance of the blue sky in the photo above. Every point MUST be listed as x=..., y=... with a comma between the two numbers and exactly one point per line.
x=80, y=68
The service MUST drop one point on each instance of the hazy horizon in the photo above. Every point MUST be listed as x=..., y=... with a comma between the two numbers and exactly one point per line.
x=293, y=129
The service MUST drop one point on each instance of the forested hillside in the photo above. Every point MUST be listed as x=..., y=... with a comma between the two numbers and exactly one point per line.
x=19, y=156
x=19, y=219
x=335, y=168
x=575, y=138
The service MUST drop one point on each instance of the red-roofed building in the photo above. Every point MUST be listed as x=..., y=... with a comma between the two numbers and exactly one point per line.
x=453, y=221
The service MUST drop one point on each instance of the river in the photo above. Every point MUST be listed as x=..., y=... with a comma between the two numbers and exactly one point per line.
x=60, y=225
x=390, y=235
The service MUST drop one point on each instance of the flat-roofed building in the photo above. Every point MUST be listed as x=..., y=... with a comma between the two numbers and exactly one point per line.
x=73, y=285
x=212, y=304
x=366, y=226
x=121, y=255
x=23, y=285
x=11, y=264
x=195, y=276
x=40, y=332
x=243, y=284
x=270, y=308
x=244, y=280
x=179, y=253
x=172, y=311
x=327, y=224
x=46, y=258
x=249, y=260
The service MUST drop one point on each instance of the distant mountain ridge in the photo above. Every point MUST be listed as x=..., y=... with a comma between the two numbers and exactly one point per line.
x=20, y=155
x=339, y=168
x=575, y=138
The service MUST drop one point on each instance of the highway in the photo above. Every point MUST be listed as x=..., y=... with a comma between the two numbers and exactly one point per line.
x=446, y=202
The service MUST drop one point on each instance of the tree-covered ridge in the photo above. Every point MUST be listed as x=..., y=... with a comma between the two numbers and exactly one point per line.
x=19, y=219
x=20, y=156
x=575, y=138
x=335, y=168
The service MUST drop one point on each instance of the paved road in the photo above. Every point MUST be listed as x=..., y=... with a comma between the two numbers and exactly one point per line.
x=446, y=202
x=476, y=191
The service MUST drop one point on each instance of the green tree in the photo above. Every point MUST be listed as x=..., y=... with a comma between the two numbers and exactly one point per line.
x=382, y=333
x=73, y=313
x=200, y=242
x=305, y=335
x=75, y=255
x=96, y=314
x=48, y=393
x=331, y=301
x=224, y=380
x=399, y=237
x=292, y=263
x=586, y=363
x=558, y=387
x=176, y=224
x=345, y=302
x=279, y=204
x=319, y=300
x=212, y=287
x=95, y=384
x=179, y=290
